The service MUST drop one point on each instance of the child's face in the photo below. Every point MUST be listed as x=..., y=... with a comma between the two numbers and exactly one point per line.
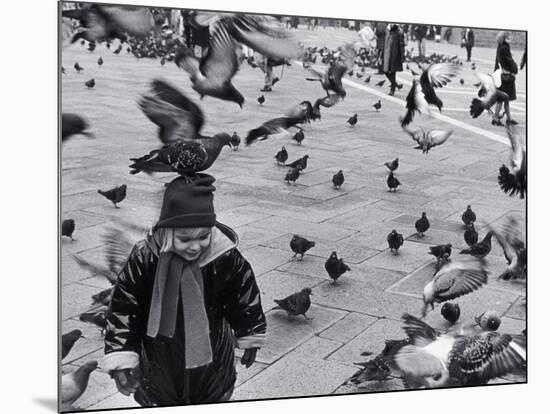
x=190, y=243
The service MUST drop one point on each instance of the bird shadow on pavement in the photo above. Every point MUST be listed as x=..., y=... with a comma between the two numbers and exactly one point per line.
x=49, y=403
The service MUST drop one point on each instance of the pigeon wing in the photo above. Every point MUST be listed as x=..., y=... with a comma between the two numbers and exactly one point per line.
x=117, y=249
x=221, y=63
x=439, y=74
x=135, y=20
x=417, y=362
x=327, y=101
x=518, y=149
x=418, y=331
x=437, y=137
x=456, y=279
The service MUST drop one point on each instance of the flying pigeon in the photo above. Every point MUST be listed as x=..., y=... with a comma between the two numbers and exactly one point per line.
x=335, y=267
x=395, y=241
x=331, y=79
x=115, y=195
x=272, y=127
x=300, y=245
x=455, y=279
x=296, y=304
x=453, y=359
x=429, y=139
x=422, y=93
x=513, y=180
x=488, y=95
x=515, y=251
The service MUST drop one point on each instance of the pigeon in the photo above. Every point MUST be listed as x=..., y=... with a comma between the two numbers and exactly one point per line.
x=381, y=83
x=115, y=195
x=275, y=80
x=68, y=340
x=303, y=111
x=100, y=61
x=377, y=105
x=102, y=298
x=235, y=141
x=335, y=267
x=261, y=100
x=480, y=249
x=453, y=280
x=74, y=384
x=461, y=81
x=392, y=165
x=212, y=75
x=67, y=228
x=300, y=163
x=488, y=95
x=326, y=102
x=513, y=246
x=272, y=127
x=488, y=321
x=513, y=180
x=422, y=93
x=106, y=22
x=300, y=245
x=441, y=249
x=395, y=241
x=382, y=367
x=90, y=84
x=367, y=79
x=452, y=359
x=428, y=140
x=451, y=312
x=352, y=120
x=72, y=124
x=393, y=182
x=470, y=235
x=96, y=317
x=468, y=216
x=422, y=225
x=281, y=156
x=117, y=50
x=338, y=179
x=331, y=79
x=184, y=157
x=163, y=61
x=63, y=70
x=299, y=137
x=296, y=304
x=78, y=68
x=292, y=175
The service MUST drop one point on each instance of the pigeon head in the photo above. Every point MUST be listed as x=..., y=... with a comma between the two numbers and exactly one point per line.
x=223, y=137
x=450, y=311
x=333, y=255
x=423, y=214
x=488, y=321
x=307, y=291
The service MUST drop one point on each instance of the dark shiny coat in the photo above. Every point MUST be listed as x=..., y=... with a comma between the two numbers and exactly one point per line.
x=233, y=307
x=509, y=67
x=394, y=50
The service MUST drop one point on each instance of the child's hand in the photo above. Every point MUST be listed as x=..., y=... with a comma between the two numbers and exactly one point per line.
x=249, y=357
x=127, y=380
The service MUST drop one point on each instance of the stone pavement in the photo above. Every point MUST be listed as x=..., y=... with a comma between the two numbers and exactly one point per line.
x=301, y=357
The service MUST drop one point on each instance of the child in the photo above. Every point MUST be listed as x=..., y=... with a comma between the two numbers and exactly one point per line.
x=183, y=295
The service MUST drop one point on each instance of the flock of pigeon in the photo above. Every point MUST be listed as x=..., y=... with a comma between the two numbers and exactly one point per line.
x=426, y=357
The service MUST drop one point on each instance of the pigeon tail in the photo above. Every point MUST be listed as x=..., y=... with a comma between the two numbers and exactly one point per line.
x=476, y=108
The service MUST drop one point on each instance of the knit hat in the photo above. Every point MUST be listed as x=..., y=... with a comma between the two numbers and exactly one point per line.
x=188, y=203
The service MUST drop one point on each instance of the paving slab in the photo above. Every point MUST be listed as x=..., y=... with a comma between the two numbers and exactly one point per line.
x=76, y=299
x=348, y=327
x=264, y=259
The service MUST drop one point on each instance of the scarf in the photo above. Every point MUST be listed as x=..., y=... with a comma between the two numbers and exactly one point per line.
x=177, y=278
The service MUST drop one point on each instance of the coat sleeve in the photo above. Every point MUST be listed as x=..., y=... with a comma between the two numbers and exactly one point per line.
x=242, y=305
x=126, y=316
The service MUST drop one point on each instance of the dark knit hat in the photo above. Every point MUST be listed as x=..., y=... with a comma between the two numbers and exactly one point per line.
x=188, y=203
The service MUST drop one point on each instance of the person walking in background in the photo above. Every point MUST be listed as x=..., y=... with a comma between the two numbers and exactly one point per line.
x=467, y=42
x=406, y=31
x=267, y=68
x=421, y=32
x=394, y=55
x=448, y=33
x=505, y=62
x=438, y=34
x=380, y=34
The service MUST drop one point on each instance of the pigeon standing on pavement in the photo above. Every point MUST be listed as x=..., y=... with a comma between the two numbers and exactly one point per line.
x=381, y=83
x=451, y=312
x=352, y=120
x=78, y=68
x=392, y=165
x=68, y=340
x=281, y=156
x=300, y=163
x=422, y=225
x=90, y=84
x=395, y=241
x=300, y=245
x=468, y=216
x=480, y=249
x=453, y=280
x=299, y=137
x=338, y=179
x=367, y=79
x=115, y=195
x=296, y=304
x=335, y=267
x=235, y=141
x=470, y=235
x=377, y=105
x=392, y=182
x=292, y=175
x=67, y=228
x=261, y=100
x=74, y=384
x=100, y=61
